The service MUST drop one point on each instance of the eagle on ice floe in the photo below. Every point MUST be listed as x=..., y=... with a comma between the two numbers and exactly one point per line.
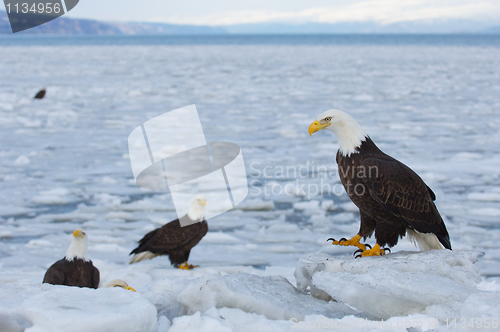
x=75, y=269
x=392, y=199
x=174, y=240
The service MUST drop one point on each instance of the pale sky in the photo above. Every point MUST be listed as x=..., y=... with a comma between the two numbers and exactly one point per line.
x=226, y=12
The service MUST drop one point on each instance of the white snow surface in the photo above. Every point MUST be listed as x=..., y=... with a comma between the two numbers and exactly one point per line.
x=440, y=284
x=60, y=308
x=64, y=165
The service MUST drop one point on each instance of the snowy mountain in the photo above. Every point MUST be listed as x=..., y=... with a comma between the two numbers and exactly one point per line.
x=64, y=25
x=69, y=26
x=454, y=26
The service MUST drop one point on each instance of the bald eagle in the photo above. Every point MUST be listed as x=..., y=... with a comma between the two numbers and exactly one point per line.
x=40, y=94
x=392, y=199
x=75, y=269
x=119, y=283
x=174, y=240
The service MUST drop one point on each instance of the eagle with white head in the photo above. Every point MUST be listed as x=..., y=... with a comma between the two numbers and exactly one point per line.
x=392, y=199
x=75, y=269
x=173, y=240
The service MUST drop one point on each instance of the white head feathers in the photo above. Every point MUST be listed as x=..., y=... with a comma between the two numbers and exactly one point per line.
x=348, y=131
x=78, y=247
x=119, y=283
x=197, y=209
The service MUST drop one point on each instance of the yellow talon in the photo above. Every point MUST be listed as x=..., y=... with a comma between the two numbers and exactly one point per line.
x=186, y=266
x=354, y=241
x=183, y=267
x=375, y=251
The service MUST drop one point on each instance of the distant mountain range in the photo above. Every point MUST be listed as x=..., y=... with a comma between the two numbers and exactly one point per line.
x=456, y=26
x=68, y=26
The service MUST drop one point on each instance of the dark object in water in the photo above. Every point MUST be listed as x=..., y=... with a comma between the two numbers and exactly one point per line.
x=40, y=94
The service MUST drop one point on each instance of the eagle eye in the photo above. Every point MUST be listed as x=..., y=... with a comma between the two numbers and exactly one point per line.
x=328, y=119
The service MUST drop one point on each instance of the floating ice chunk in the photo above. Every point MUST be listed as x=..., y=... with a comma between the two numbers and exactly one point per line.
x=71, y=216
x=119, y=215
x=466, y=156
x=328, y=205
x=5, y=234
x=111, y=247
x=273, y=297
x=107, y=199
x=344, y=217
x=387, y=293
x=134, y=93
x=6, y=106
x=307, y=205
x=320, y=220
x=53, y=196
x=106, y=239
x=349, y=207
x=289, y=188
x=153, y=204
x=363, y=97
x=40, y=243
x=289, y=133
x=108, y=180
x=490, y=212
x=439, y=283
x=487, y=197
x=283, y=228
x=219, y=237
x=309, y=208
x=29, y=122
x=430, y=177
x=22, y=160
x=256, y=204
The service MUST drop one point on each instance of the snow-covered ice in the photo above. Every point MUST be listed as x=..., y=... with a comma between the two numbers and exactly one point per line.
x=60, y=308
x=64, y=165
x=273, y=297
x=441, y=284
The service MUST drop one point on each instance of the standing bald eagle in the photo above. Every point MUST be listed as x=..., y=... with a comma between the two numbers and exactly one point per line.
x=174, y=240
x=392, y=199
x=75, y=269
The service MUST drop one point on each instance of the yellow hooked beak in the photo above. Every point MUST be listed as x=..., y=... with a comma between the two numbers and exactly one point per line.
x=316, y=126
x=204, y=202
x=77, y=233
x=130, y=288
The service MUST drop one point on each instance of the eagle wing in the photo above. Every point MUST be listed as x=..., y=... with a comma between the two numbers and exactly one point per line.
x=167, y=238
x=402, y=193
x=96, y=276
x=53, y=275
